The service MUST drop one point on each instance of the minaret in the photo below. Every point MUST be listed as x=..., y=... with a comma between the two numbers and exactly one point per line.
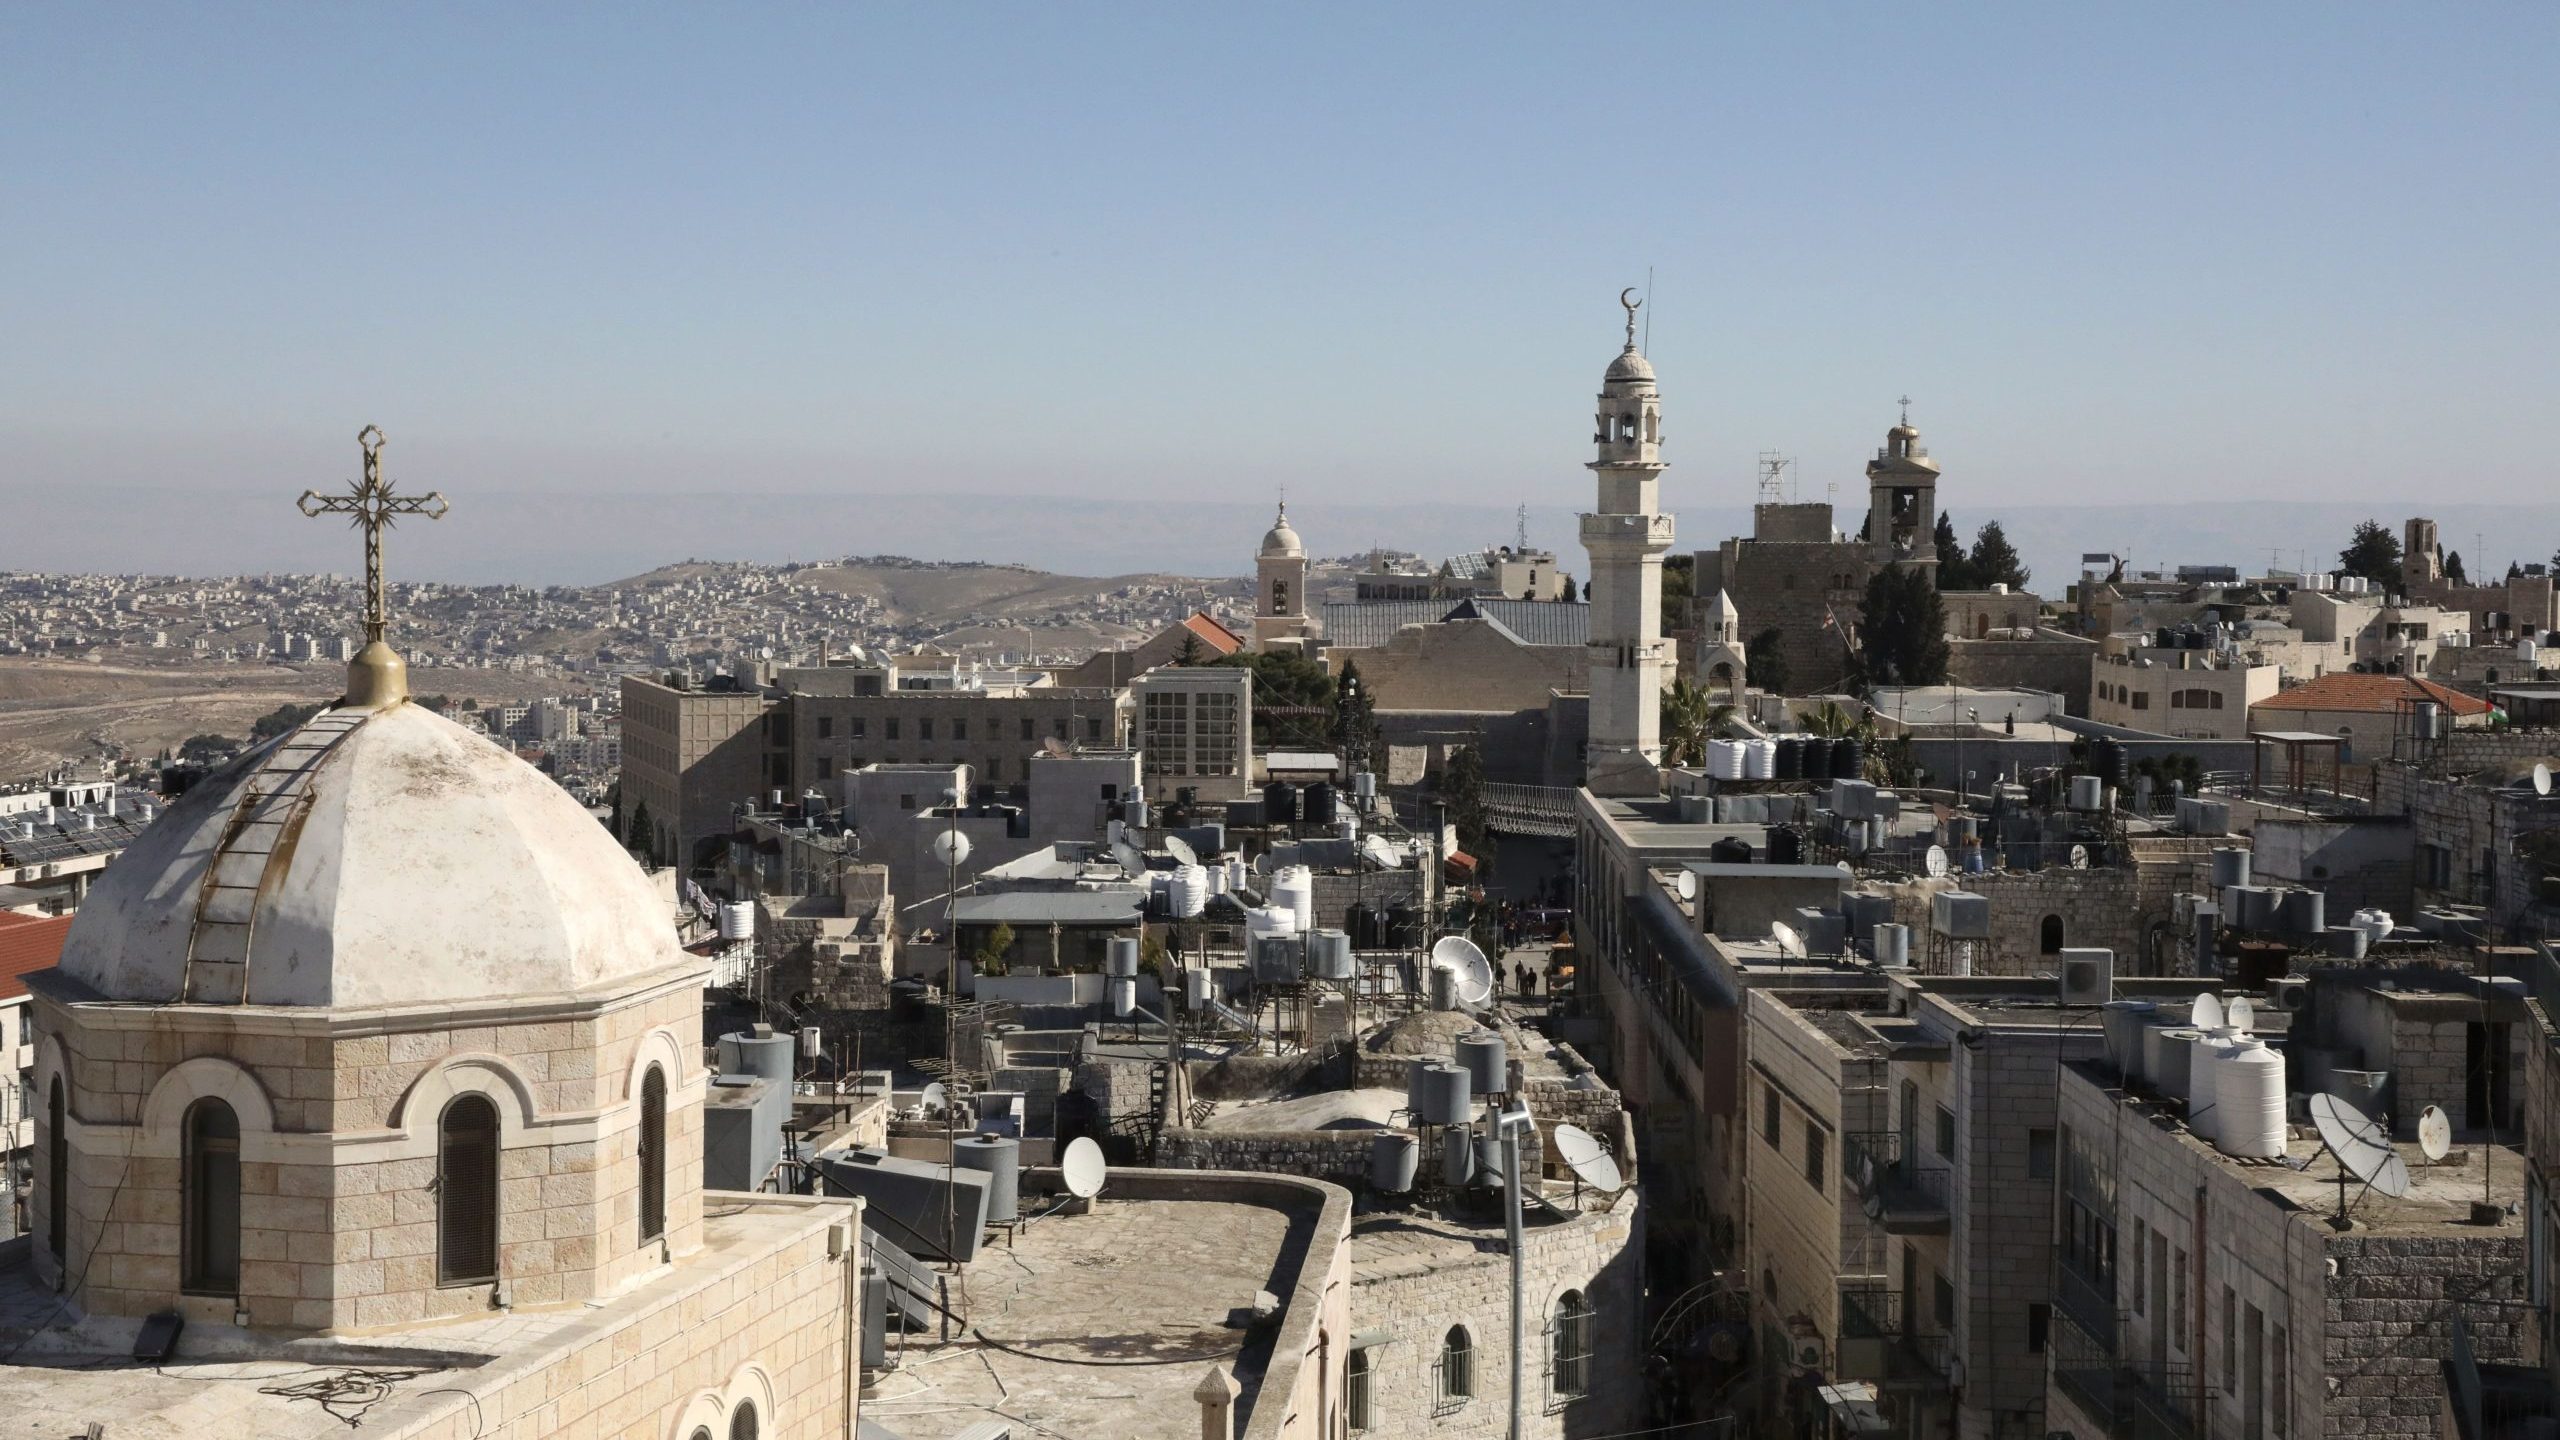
x=1902, y=500
x=1280, y=588
x=1626, y=536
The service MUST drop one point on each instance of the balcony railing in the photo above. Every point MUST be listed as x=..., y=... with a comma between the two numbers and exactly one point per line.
x=1877, y=1345
x=1903, y=1196
x=2090, y=1302
x=2133, y=1399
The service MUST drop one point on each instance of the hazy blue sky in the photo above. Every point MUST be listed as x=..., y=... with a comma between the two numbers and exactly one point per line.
x=2144, y=251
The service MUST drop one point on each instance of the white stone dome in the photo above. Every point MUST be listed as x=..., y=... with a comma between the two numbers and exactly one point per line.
x=1630, y=365
x=428, y=866
x=1280, y=541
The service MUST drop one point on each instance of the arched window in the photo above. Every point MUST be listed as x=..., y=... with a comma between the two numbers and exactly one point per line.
x=1569, y=1365
x=1457, y=1366
x=1356, y=1390
x=467, y=1192
x=702, y=1432
x=57, y=1164
x=742, y=1426
x=653, y=1155
x=209, y=1184
x=2217, y=700
x=2049, y=936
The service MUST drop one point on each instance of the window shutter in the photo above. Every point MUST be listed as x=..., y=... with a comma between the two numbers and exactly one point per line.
x=653, y=1155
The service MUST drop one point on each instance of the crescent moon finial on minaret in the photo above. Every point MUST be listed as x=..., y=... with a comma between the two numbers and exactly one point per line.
x=1632, y=307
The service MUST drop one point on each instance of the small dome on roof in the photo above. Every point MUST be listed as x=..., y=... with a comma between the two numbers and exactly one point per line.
x=1281, y=541
x=1630, y=365
x=399, y=859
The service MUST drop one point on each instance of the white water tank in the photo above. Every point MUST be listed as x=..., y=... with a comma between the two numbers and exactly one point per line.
x=1294, y=890
x=1199, y=986
x=1270, y=920
x=1893, y=946
x=1759, y=759
x=1725, y=759
x=2248, y=1101
x=1120, y=957
x=1124, y=998
x=737, y=920
x=2203, y=1092
x=1189, y=893
x=2165, y=1059
x=1329, y=956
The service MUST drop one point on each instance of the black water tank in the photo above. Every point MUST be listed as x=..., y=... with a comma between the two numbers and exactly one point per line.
x=1279, y=804
x=1817, y=759
x=1318, y=805
x=1786, y=847
x=2110, y=761
x=1848, y=759
x=1731, y=850
x=1790, y=758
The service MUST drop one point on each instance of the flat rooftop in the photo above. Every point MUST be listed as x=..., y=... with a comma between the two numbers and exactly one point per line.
x=65, y=1371
x=1104, y=1323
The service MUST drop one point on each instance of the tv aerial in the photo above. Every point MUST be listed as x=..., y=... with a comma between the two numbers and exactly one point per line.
x=1459, y=956
x=1181, y=851
x=1590, y=1162
x=1083, y=1168
x=1935, y=862
x=2435, y=1132
x=2206, y=1013
x=1790, y=944
x=2363, y=1149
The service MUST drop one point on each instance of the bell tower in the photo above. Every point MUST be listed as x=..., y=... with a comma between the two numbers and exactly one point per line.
x=1280, y=587
x=1902, y=500
x=1626, y=536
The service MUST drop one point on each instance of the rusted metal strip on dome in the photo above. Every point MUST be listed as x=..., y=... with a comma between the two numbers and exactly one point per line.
x=251, y=856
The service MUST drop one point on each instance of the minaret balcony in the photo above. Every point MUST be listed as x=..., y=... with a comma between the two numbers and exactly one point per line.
x=1626, y=537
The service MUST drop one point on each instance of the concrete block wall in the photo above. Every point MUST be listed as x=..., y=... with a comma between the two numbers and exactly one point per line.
x=1341, y=1156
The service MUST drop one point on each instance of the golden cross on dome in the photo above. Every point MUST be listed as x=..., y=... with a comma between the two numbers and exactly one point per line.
x=375, y=507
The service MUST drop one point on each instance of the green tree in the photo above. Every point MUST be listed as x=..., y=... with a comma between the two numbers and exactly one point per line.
x=1189, y=654
x=993, y=957
x=2453, y=568
x=642, y=837
x=1690, y=718
x=1765, y=663
x=1462, y=790
x=1679, y=583
x=1994, y=561
x=1902, y=637
x=1355, y=719
x=2374, y=553
x=1292, y=697
x=277, y=721
x=205, y=749
x=1952, y=574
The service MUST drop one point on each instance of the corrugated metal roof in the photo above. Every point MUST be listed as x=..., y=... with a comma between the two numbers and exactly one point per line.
x=1361, y=624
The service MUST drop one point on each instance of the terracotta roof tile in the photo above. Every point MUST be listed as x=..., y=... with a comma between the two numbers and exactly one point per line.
x=2347, y=690
x=1216, y=636
x=28, y=943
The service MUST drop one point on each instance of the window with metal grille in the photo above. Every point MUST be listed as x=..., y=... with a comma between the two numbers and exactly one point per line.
x=1457, y=1367
x=653, y=1155
x=209, y=1241
x=1570, y=1339
x=742, y=1426
x=1356, y=1391
x=467, y=1192
x=57, y=1199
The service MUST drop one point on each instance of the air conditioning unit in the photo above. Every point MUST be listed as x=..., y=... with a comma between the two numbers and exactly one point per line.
x=2289, y=993
x=2088, y=976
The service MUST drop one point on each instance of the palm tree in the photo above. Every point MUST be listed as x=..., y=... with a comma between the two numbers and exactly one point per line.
x=1690, y=718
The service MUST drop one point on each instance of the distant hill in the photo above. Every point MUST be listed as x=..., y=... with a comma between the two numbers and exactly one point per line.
x=937, y=594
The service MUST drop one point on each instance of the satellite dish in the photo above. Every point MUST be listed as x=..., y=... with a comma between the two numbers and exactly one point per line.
x=931, y=1097
x=1790, y=944
x=1459, y=955
x=2363, y=1147
x=1687, y=884
x=2240, y=1015
x=1590, y=1163
x=2079, y=857
x=1084, y=1169
x=1380, y=851
x=2435, y=1132
x=2206, y=1013
x=1131, y=858
x=1181, y=851
x=950, y=846
x=2541, y=778
x=1935, y=862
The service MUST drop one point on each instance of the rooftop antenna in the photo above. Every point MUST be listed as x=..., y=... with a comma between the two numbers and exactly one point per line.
x=1773, y=477
x=1648, y=315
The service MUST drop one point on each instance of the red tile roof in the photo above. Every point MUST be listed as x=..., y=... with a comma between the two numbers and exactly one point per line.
x=28, y=943
x=1212, y=634
x=2348, y=690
